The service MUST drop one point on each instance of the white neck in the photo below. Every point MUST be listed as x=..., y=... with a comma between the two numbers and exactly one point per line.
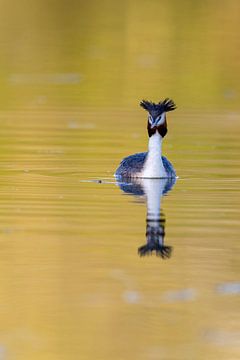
x=153, y=167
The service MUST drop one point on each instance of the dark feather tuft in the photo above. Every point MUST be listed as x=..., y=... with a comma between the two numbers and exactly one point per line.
x=157, y=109
x=147, y=105
x=167, y=104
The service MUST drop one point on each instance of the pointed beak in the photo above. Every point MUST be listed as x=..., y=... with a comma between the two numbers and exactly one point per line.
x=154, y=124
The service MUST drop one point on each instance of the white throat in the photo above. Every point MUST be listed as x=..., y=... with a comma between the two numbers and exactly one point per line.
x=153, y=167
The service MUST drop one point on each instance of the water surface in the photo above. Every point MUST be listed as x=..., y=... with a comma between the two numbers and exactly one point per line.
x=73, y=285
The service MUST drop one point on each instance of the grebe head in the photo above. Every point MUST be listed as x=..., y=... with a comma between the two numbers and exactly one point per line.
x=157, y=115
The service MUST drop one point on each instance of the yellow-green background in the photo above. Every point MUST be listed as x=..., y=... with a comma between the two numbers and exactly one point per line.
x=71, y=76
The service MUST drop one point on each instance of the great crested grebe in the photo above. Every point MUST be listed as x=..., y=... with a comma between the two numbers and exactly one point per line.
x=150, y=164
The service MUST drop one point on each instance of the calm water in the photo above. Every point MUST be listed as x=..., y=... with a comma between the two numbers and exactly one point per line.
x=73, y=284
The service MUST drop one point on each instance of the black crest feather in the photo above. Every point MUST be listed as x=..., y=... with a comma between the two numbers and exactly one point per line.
x=157, y=109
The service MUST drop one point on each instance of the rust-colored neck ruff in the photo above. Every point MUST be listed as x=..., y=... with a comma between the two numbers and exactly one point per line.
x=162, y=129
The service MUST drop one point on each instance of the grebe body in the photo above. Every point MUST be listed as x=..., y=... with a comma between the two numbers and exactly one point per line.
x=133, y=167
x=150, y=164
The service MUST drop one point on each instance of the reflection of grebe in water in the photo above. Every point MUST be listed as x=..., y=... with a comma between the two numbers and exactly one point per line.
x=150, y=164
x=153, y=189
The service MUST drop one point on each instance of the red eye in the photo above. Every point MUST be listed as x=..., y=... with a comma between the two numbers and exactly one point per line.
x=150, y=119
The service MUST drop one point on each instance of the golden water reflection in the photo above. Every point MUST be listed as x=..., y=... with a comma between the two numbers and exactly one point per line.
x=152, y=190
x=71, y=280
x=72, y=285
x=96, y=54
